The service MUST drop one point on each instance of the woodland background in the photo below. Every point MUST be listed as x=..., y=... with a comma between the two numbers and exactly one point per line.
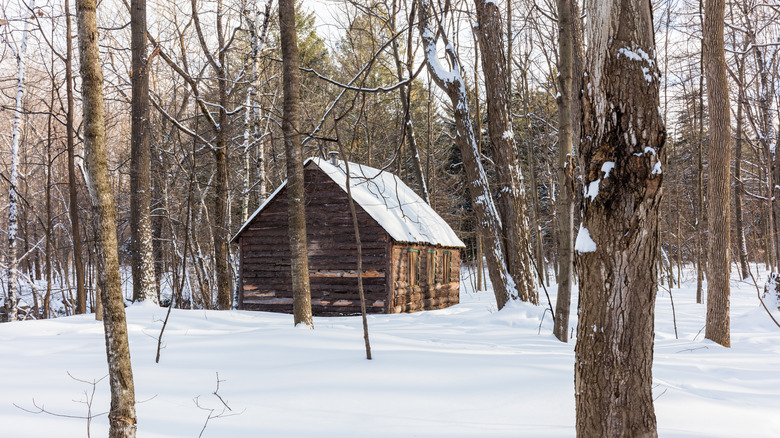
x=365, y=44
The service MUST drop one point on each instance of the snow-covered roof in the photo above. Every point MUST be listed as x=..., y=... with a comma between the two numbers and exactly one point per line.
x=392, y=204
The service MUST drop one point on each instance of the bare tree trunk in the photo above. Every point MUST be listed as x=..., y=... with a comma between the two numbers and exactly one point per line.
x=512, y=204
x=541, y=260
x=13, y=203
x=765, y=140
x=508, y=57
x=49, y=185
x=738, y=185
x=700, y=174
x=73, y=211
x=719, y=215
x=541, y=266
x=480, y=251
x=121, y=417
x=299, y=259
x=620, y=159
x=221, y=228
x=535, y=214
x=252, y=108
x=405, y=93
x=144, y=285
x=488, y=221
x=359, y=254
x=569, y=48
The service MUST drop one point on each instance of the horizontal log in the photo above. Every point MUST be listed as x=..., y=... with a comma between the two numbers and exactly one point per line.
x=345, y=273
x=317, y=289
x=321, y=262
x=347, y=303
x=344, y=245
x=267, y=301
x=317, y=310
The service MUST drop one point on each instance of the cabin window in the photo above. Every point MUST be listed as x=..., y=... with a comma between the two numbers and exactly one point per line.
x=446, y=267
x=430, y=266
x=414, y=266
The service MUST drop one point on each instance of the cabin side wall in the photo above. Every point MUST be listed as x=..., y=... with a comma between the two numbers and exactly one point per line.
x=419, y=275
x=265, y=256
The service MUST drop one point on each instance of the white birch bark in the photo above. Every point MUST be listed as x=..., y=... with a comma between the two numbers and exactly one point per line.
x=252, y=135
x=13, y=201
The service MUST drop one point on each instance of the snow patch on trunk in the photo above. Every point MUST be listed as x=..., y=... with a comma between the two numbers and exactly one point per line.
x=584, y=243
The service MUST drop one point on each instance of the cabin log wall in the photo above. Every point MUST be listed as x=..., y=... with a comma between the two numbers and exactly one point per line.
x=264, y=259
x=265, y=255
x=423, y=295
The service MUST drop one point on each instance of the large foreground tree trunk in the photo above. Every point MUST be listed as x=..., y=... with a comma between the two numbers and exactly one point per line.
x=121, y=417
x=719, y=214
x=296, y=214
x=144, y=284
x=512, y=205
x=620, y=155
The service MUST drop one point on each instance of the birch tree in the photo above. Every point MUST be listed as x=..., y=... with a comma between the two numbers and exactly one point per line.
x=20, y=53
x=121, y=417
x=252, y=135
x=620, y=159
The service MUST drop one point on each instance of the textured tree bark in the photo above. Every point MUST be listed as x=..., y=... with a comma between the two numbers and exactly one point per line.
x=121, y=417
x=489, y=224
x=220, y=229
x=511, y=202
x=700, y=180
x=719, y=214
x=620, y=158
x=569, y=49
x=144, y=285
x=296, y=213
x=73, y=211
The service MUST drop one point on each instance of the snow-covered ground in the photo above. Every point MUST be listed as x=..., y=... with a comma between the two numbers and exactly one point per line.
x=466, y=371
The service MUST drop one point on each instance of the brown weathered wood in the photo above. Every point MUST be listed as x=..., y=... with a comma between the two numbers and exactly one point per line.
x=265, y=264
x=345, y=274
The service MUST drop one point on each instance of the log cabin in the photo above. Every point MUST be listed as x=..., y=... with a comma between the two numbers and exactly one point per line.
x=410, y=256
